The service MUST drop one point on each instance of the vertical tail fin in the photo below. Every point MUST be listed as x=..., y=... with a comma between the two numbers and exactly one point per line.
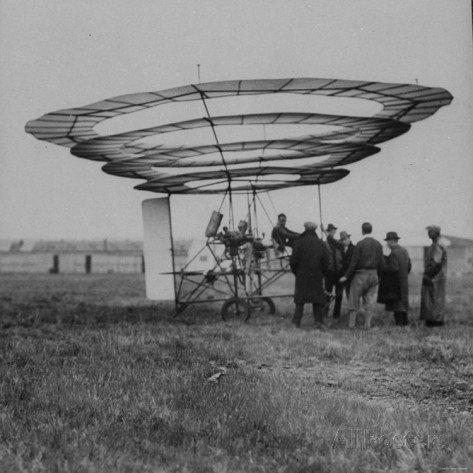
x=157, y=248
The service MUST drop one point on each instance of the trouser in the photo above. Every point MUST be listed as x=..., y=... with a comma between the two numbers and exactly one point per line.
x=317, y=310
x=433, y=323
x=330, y=283
x=346, y=286
x=367, y=315
x=364, y=285
x=400, y=318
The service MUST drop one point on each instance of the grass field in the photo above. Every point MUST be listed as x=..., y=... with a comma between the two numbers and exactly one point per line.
x=95, y=378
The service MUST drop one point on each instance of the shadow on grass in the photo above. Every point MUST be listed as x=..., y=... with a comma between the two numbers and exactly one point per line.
x=43, y=311
x=49, y=311
x=101, y=301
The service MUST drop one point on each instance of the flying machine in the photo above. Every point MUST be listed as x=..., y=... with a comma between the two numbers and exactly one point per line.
x=242, y=265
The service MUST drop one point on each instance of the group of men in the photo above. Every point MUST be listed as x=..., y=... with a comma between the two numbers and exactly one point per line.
x=326, y=269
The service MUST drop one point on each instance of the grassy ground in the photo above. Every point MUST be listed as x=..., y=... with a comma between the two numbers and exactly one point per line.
x=95, y=378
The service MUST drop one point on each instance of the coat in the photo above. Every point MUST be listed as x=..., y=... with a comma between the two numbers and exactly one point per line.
x=335, y=250
x=347, y=254
x=368, y=254
x=309, y=262
x=432, y=304
x=394, y=287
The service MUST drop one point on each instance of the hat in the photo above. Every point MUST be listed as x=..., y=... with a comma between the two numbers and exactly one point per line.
x=435, y=228
x=310, y=225
x=391, y=236
x=344, y=234
x=331, y=226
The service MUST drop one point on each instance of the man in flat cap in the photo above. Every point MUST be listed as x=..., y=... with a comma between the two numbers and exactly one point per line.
x=365, y=263
x=335, y=248
x=432, y=306
x=309, y=262
x=393, y=286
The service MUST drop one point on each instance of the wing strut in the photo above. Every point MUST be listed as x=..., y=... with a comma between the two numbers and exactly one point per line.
x=227, y=172
x=320, y=210
x=255, y=213
x=264, y=209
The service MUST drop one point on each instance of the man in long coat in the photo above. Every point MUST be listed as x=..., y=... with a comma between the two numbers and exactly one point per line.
x=394, y=287
x=432, y=306
x=309, y=262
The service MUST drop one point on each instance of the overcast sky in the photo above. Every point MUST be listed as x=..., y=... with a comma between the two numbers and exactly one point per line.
x=65, y=53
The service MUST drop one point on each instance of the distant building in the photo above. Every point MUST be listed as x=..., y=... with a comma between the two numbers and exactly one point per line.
x=77, y=256
x=126, y=256
x=459, y=250
x=460, y=255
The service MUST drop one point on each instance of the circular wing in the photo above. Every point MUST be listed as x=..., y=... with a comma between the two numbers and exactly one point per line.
x=308, y=157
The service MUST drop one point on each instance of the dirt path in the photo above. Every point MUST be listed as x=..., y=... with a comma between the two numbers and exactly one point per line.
x=412, y=386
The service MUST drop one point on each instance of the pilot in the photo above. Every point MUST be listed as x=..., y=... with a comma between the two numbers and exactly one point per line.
x=282, y=236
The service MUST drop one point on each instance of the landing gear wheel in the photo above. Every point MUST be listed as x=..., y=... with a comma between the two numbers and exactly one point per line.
x=264, y=305
x=181, y=306
x=233, y=309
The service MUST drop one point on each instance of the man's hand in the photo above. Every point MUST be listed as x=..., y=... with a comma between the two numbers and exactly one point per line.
x=342, y=279
x=426, y=281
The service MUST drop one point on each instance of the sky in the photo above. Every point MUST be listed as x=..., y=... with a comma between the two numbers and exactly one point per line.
x=64, y=53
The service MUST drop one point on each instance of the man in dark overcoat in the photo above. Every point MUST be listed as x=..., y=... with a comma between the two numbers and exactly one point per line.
x=309, y=262
x=394, y=287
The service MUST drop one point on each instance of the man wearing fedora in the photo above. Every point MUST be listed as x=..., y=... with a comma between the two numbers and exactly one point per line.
x=432, y=306
x=335, y=248
x=309, y=262
x=394, y=286
x=365, y=263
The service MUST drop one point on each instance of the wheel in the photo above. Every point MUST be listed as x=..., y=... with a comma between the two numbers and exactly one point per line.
x=264, y=305
x=235, y=308
x=180, y=306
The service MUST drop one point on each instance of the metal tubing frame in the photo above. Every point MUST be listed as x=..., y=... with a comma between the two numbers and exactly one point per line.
x=236, y=286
